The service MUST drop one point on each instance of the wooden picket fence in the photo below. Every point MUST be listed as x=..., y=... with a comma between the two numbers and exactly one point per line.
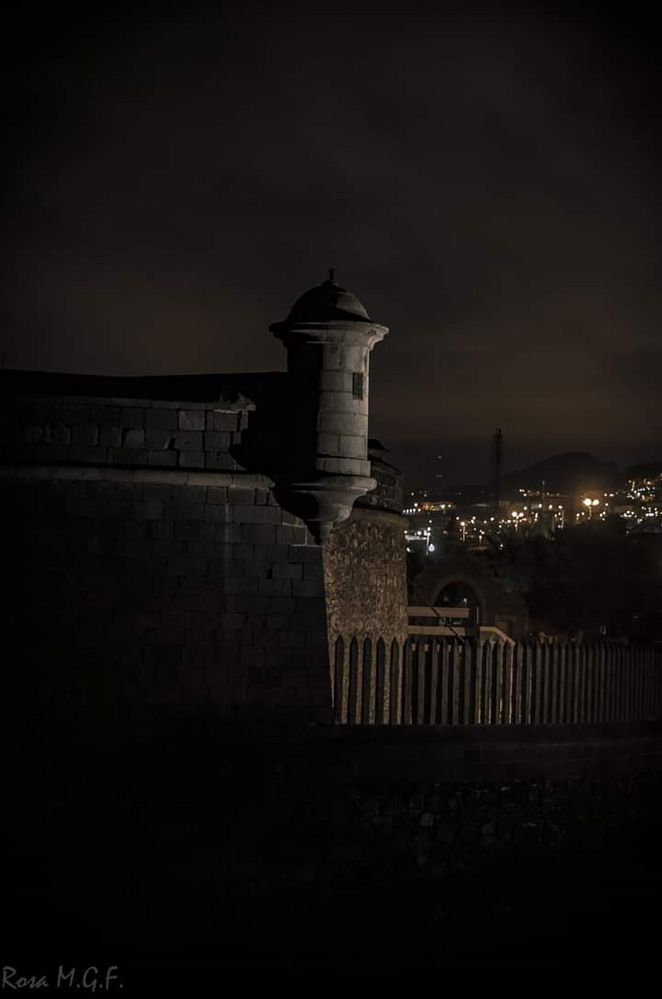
x=431, y=680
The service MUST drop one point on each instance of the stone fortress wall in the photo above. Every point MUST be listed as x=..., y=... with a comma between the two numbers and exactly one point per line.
x=162, y=553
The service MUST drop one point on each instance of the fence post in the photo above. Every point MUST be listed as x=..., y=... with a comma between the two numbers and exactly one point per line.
x=538, y=682
x=546, y=691
x=582, y=682
x=656, y=664
x=353, y=716
x=487, y=681
x=407, y=682
x=455, y=681
x=646, y=713
x=421, y=674
x=507, y=657
x=395, y=685
x=590, y=670
x=563, y=683
x=497, y=714
x=527, y=682
x=381, y=698
x=445, y=679
x=634, y=669
x=339, y=674
x=468, y=669
x=602, y=658
x=552, y=659
x=571, y=680
x=610, y=681
x=518, y=683
x=434, y=680
x=478, y=682
x=633, y=684
x=368, y=687
x=649, y=676
x=450, y=681
x=586, y=690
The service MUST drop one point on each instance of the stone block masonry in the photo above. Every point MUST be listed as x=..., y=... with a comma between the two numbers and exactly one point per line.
x=149, y=566
x=150, y=571
x=128, y=593
x=157, y=433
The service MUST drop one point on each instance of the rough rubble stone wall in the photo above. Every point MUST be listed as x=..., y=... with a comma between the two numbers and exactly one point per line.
x=365, y=577
x=365, y=565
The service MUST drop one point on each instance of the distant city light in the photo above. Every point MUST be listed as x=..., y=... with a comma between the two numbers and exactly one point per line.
x=638, y=502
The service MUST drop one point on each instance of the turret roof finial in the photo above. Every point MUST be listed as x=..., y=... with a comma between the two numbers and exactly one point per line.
x=332, y=275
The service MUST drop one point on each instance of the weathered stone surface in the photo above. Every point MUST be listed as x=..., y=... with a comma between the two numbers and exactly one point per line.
x=191, y=419
x=161, y=419
x=365, y=577
x=222, y=421
x=134, y=438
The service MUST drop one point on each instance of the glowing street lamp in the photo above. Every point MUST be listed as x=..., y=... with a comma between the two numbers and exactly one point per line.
x=590, y=505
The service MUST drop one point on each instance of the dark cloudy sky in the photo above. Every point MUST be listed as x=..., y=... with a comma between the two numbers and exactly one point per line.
x=485, y=181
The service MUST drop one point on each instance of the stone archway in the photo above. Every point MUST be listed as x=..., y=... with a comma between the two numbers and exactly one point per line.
x=458, y=593
x=458, y=573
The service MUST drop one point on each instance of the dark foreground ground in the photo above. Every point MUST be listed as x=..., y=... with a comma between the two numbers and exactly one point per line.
x=593, y=916
x=108, y=861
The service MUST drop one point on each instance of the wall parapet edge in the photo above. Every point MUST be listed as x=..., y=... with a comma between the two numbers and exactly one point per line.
x=102, y=473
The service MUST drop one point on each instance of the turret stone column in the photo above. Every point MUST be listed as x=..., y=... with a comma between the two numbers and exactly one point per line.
x=328, y=335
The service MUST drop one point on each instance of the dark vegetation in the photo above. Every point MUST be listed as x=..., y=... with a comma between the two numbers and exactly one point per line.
x=593, y=579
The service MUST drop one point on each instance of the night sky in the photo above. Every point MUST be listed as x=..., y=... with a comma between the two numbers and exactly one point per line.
x=486, y=182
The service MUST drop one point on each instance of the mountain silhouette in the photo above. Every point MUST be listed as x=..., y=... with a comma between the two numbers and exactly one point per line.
x=572, y=472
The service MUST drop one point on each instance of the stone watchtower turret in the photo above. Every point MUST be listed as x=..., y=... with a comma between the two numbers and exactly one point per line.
x=328, y=335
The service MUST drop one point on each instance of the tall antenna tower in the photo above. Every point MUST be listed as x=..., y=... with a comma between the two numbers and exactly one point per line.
x=496, y=456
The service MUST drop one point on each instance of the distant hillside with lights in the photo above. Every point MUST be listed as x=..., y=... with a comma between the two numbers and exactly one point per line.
x=572, y=472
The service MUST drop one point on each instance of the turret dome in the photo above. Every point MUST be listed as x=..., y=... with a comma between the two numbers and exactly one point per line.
x=327, y=302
